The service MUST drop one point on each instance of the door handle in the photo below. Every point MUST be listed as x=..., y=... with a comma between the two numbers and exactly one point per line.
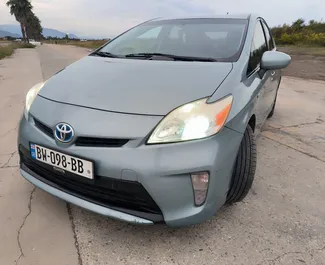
x=273, y=73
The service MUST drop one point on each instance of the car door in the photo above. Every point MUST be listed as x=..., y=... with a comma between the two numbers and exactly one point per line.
x=272, y=88
x=259, y=46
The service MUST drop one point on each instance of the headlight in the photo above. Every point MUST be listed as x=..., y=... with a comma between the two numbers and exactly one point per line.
x=31, y=95
x=194, y=120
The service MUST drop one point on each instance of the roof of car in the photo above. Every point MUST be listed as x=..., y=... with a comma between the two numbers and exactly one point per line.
x=231, y=16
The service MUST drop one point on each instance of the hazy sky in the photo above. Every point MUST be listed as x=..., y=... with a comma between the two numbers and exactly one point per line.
x=105, y=18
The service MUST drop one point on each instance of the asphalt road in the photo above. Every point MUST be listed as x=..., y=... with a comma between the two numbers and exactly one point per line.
x=282, y=221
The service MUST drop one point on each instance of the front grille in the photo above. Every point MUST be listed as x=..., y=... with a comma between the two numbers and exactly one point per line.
x=45, y=129
x=85, y=141
x=125, y=196
x=100, y=142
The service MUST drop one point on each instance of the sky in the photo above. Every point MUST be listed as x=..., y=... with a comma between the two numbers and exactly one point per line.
x=107, y=18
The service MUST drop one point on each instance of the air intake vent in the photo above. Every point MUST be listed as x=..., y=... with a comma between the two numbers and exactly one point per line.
x=45, y=129
x=100, y=142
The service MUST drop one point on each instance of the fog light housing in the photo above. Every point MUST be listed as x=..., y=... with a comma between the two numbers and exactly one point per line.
x=200, y=183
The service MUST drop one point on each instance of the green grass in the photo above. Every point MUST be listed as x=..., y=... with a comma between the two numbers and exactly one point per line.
x=9, y=49
x=303, y=50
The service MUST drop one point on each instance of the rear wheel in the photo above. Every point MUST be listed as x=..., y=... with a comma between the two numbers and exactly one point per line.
x=244, y=170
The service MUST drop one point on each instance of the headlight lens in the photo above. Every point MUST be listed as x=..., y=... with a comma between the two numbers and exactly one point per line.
x=194, y=120
x=31, y=95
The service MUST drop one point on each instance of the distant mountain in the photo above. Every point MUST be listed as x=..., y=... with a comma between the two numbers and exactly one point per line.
x=4, y=33
x=55, y=33
x=15, y=29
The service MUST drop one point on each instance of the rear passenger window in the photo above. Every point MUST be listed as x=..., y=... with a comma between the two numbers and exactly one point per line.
x=258, y=48
x=268, y=36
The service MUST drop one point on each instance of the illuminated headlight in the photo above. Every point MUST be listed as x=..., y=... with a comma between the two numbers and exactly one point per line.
x=31, y=95
x=194, y=120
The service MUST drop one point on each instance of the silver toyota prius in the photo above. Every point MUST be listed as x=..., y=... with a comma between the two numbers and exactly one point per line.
x=158, y=125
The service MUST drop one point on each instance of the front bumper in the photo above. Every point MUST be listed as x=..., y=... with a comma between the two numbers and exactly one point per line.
x=163, y=170
x=30, y=176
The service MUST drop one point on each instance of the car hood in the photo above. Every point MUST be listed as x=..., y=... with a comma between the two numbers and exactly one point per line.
x=134, y=86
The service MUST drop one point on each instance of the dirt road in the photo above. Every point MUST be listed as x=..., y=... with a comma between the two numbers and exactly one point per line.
x=306, y=62
x=282, y=221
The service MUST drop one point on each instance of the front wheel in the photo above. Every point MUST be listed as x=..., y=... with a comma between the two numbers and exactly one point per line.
x=272, y=111
x=244, y=170
x=274, y=103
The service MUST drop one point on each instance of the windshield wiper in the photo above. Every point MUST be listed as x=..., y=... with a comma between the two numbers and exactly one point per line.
x=104, y=54
x=171, y=56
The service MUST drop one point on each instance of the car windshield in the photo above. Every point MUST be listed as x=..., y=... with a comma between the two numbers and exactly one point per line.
x=213, y=38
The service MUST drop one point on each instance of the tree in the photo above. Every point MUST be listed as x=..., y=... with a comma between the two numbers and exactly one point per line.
x=312, y=22
x=33, y=28
x=20, y=9
x=298, y=24
x=301, y=32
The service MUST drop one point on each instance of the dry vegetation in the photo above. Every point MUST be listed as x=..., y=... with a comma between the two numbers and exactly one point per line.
x=303, y=50
x=9, y=48
x=91, y=44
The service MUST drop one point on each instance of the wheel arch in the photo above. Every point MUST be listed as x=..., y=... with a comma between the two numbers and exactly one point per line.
x=252, y=122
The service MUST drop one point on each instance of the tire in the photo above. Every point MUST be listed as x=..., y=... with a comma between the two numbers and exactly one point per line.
x=244, y=169
x=274, y=103
x=272, y=111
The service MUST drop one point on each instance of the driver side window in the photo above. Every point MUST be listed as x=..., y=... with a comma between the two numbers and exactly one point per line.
x=259, y=46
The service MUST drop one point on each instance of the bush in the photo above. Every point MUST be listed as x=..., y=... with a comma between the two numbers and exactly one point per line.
x=300, y=33
x=24, y=46
x=316, y=39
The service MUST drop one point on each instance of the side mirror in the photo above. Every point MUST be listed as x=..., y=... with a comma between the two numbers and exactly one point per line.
x=273, y=60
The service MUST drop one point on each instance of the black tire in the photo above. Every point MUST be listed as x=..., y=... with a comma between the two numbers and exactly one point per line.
x=272, y=111
x=244, y=169
x=274, y=103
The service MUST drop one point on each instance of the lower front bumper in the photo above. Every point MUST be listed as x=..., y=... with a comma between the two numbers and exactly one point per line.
x=27, y=174
x=164, y=171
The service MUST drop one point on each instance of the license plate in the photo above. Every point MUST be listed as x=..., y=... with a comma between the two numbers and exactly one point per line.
x=62, y=162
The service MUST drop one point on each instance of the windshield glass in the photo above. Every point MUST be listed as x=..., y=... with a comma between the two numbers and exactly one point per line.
x=220, y=39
